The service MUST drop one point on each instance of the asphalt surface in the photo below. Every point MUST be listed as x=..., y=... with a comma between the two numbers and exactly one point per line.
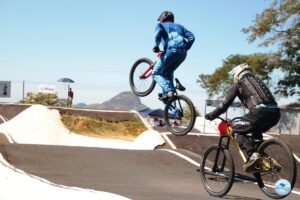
x=137, y=175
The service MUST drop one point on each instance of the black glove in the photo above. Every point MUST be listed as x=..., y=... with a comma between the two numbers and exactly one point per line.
x=156, y=49
x=209, y=116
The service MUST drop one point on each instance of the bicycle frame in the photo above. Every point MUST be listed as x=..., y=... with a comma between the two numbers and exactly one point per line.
x=230, y=135
x=147, y=73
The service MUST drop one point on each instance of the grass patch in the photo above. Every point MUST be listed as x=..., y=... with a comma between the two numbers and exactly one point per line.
x=126, y=130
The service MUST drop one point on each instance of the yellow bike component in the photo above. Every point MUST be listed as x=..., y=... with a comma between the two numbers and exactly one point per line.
x=229, y=132
x=266, y=165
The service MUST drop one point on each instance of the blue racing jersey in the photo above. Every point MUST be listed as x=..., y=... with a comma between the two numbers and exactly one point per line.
x=173, y=37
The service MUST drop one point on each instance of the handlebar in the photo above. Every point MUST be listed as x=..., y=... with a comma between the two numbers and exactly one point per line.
x=225, y=124
x=228, y=120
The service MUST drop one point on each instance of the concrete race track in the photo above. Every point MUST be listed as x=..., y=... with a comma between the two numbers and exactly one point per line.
x=135, y=174
x=142, y=174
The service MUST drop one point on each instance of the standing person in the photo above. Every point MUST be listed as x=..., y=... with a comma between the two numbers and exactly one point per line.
x=70, y=97
x=263, y=110
x=176, y=41
x=5, y=89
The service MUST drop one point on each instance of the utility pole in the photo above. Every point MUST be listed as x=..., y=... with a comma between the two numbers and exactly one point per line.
x=23, y=90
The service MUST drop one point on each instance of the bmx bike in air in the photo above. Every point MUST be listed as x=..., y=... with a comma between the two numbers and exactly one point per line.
x=179, y=112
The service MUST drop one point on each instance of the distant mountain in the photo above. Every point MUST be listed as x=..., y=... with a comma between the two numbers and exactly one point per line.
x=123, y=101
x=81, y=105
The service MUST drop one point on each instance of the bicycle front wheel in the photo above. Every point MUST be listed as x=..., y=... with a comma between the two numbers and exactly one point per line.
x=278, y=163
x=180, y=115
x=217, y=171
x=140, y=79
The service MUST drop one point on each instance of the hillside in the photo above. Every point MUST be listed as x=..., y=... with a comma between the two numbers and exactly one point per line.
x=123, y=101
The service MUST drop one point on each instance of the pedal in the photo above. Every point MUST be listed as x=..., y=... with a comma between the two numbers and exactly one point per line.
x=164, y=99
x=179, y=86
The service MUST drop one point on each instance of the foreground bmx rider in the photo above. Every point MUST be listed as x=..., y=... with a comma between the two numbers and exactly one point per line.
x=263, y=110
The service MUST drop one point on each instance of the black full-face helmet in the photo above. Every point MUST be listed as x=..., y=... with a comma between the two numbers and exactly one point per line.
x=166, y=16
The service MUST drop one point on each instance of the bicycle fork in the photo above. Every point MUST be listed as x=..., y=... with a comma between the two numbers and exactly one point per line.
x=221, y=147
x=147, y=72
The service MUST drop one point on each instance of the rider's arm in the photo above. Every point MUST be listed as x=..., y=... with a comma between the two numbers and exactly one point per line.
x=158, y=34
x=232, y=93
x=190, y=38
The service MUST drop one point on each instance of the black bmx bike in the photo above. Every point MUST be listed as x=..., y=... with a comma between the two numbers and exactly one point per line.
x=179, y=112
x=218, y=171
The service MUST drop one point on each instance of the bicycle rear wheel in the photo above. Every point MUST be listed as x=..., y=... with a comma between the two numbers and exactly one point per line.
x=280, y=164
x=140, y=79
x=180, y=115
x=217, y=171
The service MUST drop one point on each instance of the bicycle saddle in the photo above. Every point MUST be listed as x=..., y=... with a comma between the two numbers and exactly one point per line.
x=254, y=141
x=179, y=86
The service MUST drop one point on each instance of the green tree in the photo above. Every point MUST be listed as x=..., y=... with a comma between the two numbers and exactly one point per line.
x=187, y=112
x=218, y=83
x=44, y=99
x=280, y=24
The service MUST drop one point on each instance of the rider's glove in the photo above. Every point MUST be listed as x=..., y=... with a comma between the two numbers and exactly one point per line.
x=156, y=49
x=209, y=116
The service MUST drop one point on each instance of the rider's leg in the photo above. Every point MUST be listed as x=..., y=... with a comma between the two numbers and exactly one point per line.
x=253, y=157
x=270, y=118
x=257, y=136
x=249, y=124
x=163, y=70
x=257, y=139
x=242, y=128
x=245, y=144
x=264, y=120
x=158, y=75
x=256, y=122
x=172, y=62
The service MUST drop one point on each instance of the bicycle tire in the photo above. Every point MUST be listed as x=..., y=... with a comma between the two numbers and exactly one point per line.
x=187, y=118
x=146, y=85
x=287, y=159
x=221, y=178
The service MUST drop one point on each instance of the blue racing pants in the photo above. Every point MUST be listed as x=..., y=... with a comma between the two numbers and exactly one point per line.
x=163, y=70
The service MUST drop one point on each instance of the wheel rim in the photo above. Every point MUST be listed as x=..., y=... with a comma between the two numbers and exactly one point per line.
x=180, y=116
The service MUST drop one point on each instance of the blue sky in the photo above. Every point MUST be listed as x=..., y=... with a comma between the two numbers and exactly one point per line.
x=96, y=42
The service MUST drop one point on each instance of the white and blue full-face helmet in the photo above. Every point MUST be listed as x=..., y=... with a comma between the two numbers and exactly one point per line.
x=239, y=71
